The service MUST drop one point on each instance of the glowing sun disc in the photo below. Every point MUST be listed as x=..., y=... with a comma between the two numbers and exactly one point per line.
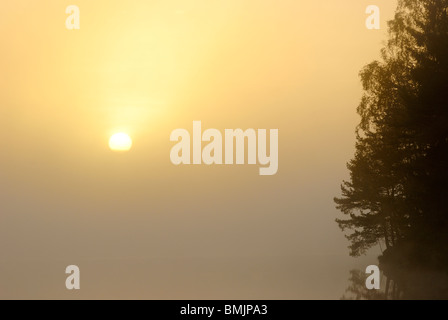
x=120, y=142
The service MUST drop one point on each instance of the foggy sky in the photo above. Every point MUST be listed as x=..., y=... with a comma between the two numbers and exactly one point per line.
x=147, y=68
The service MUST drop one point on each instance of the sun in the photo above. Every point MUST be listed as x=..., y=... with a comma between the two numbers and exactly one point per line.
x=120, y=142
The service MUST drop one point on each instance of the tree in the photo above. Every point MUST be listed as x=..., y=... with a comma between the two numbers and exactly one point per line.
x=398, y=187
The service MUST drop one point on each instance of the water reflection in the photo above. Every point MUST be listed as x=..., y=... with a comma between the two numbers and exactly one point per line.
x=401, y=279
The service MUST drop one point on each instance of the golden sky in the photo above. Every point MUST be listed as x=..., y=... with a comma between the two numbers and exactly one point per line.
x=147, y=68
